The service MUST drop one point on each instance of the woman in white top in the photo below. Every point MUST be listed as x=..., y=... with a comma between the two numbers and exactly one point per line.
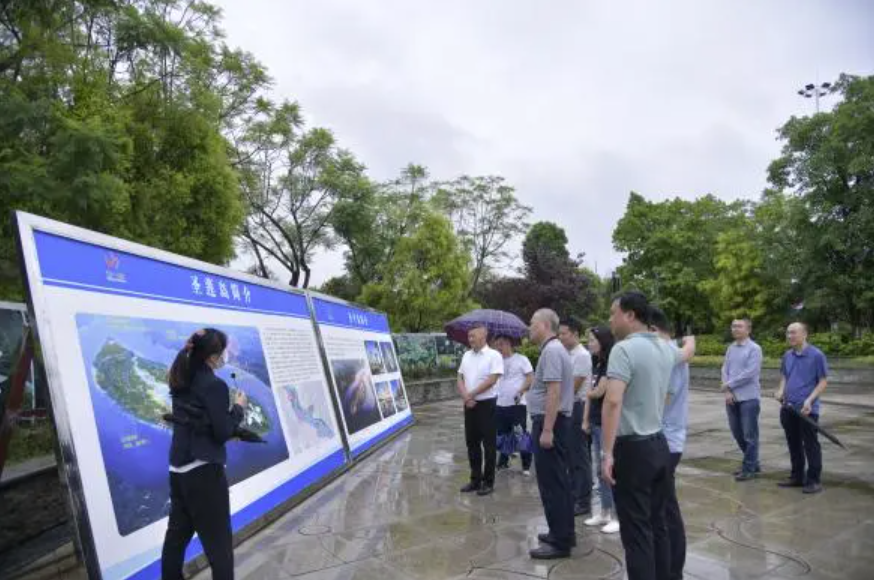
x=511, y=410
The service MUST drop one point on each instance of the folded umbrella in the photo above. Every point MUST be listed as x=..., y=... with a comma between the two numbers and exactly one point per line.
x=815, y=425
x=498, y=323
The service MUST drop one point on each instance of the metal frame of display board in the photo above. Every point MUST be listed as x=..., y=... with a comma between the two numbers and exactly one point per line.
x=312, y=295
x=68, y=464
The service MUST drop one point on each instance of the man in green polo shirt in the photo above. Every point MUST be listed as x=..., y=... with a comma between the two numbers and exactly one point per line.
x=636, y=458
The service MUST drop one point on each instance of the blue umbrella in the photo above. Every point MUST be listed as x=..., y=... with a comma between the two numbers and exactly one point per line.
x=498, y=323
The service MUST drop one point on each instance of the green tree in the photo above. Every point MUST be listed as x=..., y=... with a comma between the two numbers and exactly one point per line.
x=487, y=218
x=371, y=223
x=552, y=279
x=742, y=287
x=291, y=203
x=111, y=118
x=425, y=283
x=827, y=164
x=670, y=248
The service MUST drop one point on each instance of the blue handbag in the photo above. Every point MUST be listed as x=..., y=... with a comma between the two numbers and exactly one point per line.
x=507, y=444
x=523, y=440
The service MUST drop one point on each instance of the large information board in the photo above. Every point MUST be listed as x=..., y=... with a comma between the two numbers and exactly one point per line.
x=111, y=316
x=364, y=365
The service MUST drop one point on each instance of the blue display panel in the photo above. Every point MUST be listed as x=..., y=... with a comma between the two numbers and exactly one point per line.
x=367, y=377
x=112, y=316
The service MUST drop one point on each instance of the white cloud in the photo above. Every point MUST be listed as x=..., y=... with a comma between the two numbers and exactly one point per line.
x=576, y=103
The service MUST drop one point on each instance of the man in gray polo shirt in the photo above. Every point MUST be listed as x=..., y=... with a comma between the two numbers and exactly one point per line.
x=636, y=458
x=550, y=403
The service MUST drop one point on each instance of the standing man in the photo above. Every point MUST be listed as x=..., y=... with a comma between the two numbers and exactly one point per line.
x=551, y=402
x=674, y=424
x=580, y=451
x=480, y=369
x=512, y=386
x=804, y=376
x=636, y=458
x=743, y=392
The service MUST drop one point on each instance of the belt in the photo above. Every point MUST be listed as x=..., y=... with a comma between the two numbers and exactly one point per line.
x=634, y=438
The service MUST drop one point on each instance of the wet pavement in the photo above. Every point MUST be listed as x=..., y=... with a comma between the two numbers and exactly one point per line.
x=399, y=515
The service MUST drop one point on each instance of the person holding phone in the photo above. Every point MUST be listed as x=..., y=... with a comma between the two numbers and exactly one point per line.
x=199, y=494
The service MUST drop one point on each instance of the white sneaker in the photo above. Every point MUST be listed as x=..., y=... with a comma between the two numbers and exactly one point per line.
x=596, y=521
x=526, y=473
x=611, y=528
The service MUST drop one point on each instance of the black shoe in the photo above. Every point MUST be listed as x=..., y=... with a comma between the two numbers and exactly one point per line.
x=813, y=487
x=744, y=476
x=582, y=510
x=471, y=487
x=486, y=489
x=549, y=552
x=790, y=483
x=548, y=539
x=737, y=472
x=502, y=466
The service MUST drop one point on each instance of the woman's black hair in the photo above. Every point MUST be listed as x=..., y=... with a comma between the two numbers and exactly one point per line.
x=605, y=338
x=200, y=347
x=658, y=319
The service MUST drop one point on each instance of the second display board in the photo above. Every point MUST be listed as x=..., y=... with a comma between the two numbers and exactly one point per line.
x=364, y=365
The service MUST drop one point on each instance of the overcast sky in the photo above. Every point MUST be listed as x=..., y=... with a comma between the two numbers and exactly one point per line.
x=574, y=102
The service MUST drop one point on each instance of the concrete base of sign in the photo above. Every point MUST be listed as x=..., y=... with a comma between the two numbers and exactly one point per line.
x=399, y=515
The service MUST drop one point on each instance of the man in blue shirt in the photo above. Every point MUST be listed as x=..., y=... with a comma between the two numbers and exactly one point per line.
x=804, y=376
x=743, y=391
x=674, y=424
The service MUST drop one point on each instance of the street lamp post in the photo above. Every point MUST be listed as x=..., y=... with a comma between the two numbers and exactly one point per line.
x=815, y=92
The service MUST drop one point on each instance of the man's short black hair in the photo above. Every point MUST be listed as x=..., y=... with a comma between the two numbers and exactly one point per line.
x=636, y=302
x=658, y=319
x=573, y=324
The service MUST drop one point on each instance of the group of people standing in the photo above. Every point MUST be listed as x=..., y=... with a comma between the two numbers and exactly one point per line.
x=625, y=397
x=803, y=378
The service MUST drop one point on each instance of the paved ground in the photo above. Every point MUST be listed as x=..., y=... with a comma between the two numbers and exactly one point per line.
x=399, y=516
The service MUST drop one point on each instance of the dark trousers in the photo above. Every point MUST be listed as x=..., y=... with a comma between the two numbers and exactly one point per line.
x=643, y=485
x=199, y=502
x=803, y=443
x=480, y=435
x=674, y=522
x=743, y=419
x=581, y=460
x=553, y=480
x=507, y=419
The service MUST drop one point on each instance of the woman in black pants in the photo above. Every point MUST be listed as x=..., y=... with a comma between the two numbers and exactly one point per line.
x=199, y=498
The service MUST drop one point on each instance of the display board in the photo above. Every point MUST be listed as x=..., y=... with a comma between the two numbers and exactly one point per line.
x=111, y=317
x=364, y=366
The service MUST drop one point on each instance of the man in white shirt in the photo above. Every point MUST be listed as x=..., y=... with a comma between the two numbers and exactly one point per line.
x=516, y=380
x=480, y=369
x=580, y=452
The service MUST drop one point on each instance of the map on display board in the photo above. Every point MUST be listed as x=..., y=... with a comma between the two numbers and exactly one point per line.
x=112, y=316
x=366, y=373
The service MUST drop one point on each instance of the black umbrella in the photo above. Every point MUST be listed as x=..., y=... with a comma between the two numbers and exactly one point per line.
x=815, y=425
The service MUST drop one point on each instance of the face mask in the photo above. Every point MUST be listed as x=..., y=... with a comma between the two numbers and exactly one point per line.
x=222, y=361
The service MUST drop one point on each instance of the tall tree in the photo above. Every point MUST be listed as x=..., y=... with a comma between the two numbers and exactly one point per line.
x=827, y=163
x=371, y=223
x=741, y=286
x=552, y=279
x=292, y=204
x=487, y=218
x=110, y=119
x=425, y=283
x=670, y=248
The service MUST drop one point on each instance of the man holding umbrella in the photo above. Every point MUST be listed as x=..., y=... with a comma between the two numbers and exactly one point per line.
x=804, y=376
x=480, y=369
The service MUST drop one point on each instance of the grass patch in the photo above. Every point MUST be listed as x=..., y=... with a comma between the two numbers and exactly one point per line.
x=29, y=441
